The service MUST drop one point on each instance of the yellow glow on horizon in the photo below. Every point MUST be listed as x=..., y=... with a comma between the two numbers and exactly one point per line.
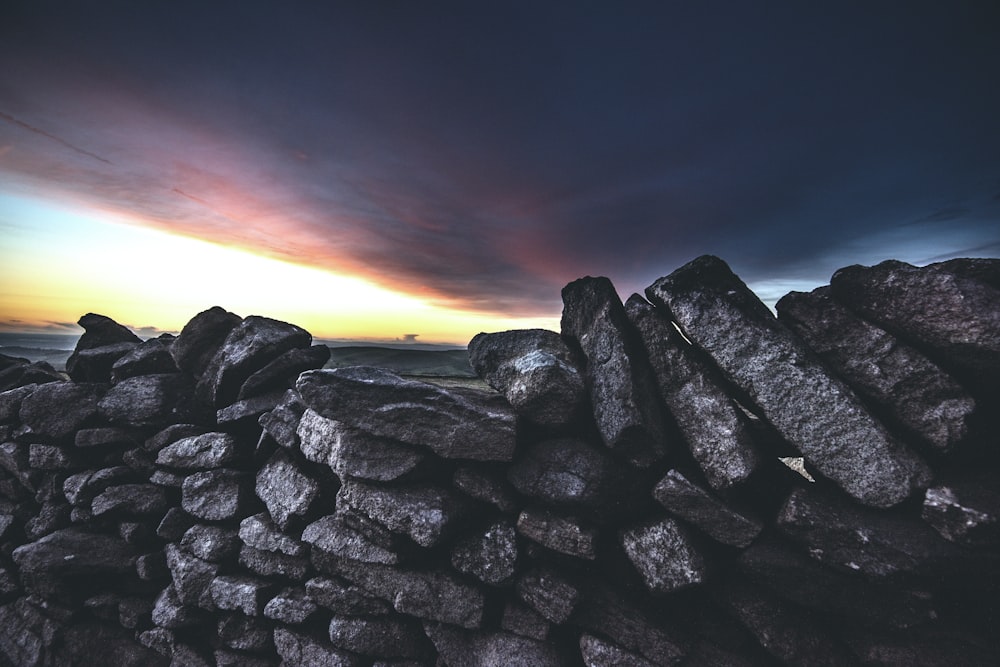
x=58, y=264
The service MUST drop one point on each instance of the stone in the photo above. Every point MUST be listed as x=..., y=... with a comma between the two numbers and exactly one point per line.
x=28, y=375
x=549, y=593
x=167, y=478
x=302, y=650
x=790, y=635
x=99, y=332
x=58, y=409
x=245, y=633
x=260, y=532
x=965, y=510
x=484, y=485
x=285, y=489
x=130, y=500
x=563, y=534
x=714, y=428
x=522, y=620
x=174, y=524
x=137, y=532
x=106, y=436
x=953, y=318
x=151, y=357
x=134, y=611
x=75, y=553
x=698, y=507
x=856, y=539
x=490, y=556
x=152, y=566
x=201, y=338
x=170, y=613
x=282, y=372
x=160, y=640
x=248, y=347
x=350, y=534
x=536, y=371
x=453, y=424
x=803, y=581
x=461, y=648
x=215, y=495
x=382, y=637
x=211, y=542
x=911, y=390
x=344, y=598
x=249, y=409
x=95, y=364
x=813, y=410
x=148, y=400
x=171, y=434
x=50, y=457
x=247, y=595
x=567, y=471
x=51, y=517
x=11, y=399
x=922, y=647
x=282, y=423
x=192, y=577
x=271, y=564
x=663, y=554
x=291, y=605
x=430, y=595
x=622, y=393
x=425, y=514
x=597, y=652
x=199, y=452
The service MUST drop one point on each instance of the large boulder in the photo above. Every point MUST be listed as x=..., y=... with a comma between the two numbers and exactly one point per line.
x=810, y=407
x=58, y=409
x=201, y=338
x=103, y=342
x=149, y=400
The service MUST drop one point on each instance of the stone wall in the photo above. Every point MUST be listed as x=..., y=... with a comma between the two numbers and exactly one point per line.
x=682, y=479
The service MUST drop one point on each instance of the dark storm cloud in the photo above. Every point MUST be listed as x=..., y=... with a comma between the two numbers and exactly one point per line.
x=484, y=155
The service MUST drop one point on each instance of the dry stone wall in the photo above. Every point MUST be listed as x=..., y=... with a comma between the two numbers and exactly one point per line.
x=624, y=497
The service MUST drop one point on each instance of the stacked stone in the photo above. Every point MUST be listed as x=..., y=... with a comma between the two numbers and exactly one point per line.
x=620, y=499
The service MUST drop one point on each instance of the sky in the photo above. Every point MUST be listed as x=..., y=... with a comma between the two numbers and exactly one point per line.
x=425, y=171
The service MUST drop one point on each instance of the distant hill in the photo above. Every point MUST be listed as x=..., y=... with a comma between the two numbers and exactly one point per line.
x=431, y=363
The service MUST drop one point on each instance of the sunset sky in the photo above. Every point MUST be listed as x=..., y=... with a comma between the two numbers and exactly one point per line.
x=370, y=170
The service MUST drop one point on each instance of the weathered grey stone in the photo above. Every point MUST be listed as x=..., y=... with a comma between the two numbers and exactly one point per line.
x=560, y=533
x=149, y=400
x=567, y=471
x=198, y=452
x=130, y=500
x=965, y=510
x=461, y=648
x=270, y=563
x=171, y=434
x=522, y=620
x=351, y=452
x=282, y=422
x=249, y=346
x=201, y=338
x=28, y=375
x=923, y=647
x=452, y=424
x=106, y=436
x=549, y=593
x=285, y=489
x=10, y=401
x=804, y=582
x=260, y=532
x=52, y=516
x=855, y=539
x=59, y=409
x=622, y=394
x=344, y=598
x=174, y=524
x=244, y=594
x=245, y=633
x=136, y=532
x=290, y=605
x=192, y=577
x=76, y=553
x=954, y=318
x=712, y=425
x=486, y=486
x=14, y=459
x=152, y=566
x=535, y=370
x=382, y=637
x=249, y=409
x=911, y=389
x=490, y=556
x=425, y=514
x=789, y=634
x=431, y=595
x=282, y=372
x=663, y=554
x=215, y=495
x=95, y=364
x=50, y=457
x=350, y=534
x=597, y=652
x=813, y=410
x=160, y=640
x=302, y=650
x=695, y=505
x=151, y=357
x=210, y=542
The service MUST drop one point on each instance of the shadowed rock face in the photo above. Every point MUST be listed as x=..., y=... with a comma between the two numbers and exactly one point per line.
x=355, y=517
x=815, y=411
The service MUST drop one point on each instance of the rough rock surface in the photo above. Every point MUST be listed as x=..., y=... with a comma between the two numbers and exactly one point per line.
x=567, y=471
x=99, y=332
x=285, y=489
x=695, y=505
x=663, y=554
x=201, y=338
x=618, y=377
x=810, y=407
x=535, y=370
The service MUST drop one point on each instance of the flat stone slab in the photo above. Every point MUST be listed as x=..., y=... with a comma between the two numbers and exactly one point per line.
x=470, y=425
x=286, y=490
x=425, y=514
x=663, y=555
x=710, y=515
x=567, y=471
x=564, y=534
x=198, y=452
x=490, y=556
x=816, y=412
